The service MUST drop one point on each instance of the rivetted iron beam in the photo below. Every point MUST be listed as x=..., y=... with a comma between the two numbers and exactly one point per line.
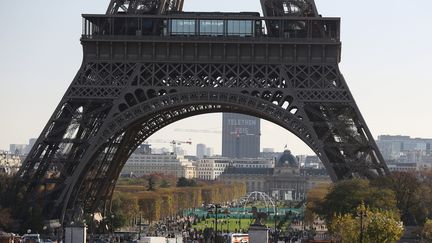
x=137, y=7
x=300, y=8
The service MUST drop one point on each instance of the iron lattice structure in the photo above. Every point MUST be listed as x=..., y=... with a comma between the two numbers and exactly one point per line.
x=142, y=70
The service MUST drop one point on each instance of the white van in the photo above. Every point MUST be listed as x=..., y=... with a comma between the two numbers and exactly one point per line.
x=239, y=238
x=31, y=238
x=153, y=240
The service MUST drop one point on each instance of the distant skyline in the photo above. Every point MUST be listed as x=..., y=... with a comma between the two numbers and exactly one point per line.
x=385, y=59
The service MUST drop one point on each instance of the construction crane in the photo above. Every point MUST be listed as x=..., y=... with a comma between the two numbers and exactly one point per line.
x=172, y=142
x=238, y=133
x=198, y=131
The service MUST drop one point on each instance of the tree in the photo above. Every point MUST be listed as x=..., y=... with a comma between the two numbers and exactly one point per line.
x=118, y=220
x=150, y=207
x=414, y=195
x=368, y=226
x=406, y=187
x=151, y=184
x=423, y=210
x=345, y=196
x=383, y=226
x=315, y=198
x=167, y=202
x=5, y=219
x=124, y=208
x=6, y=192
x=427, y=231
x=165, y=184
x=183, y=182
x=130, y=207
x=167, y=205
x=6, y=199
x=33, y=219
x=344, y=228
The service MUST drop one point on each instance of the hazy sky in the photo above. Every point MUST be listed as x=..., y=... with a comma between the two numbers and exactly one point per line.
x=386, y=60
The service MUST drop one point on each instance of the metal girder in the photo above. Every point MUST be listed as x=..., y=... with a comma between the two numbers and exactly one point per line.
x=298, y=8
x=137, y=7
x=293, y=8
x=271, y=8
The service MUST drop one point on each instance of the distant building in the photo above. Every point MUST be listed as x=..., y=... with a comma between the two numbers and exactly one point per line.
x=180, y=151
x=209, y=152
x=268, y=150
x=139, y=165
x=241, y=136
x=403, y=153
x=392, y=147
x=287, y=160
x=161, y=150
x=22, y=149
x=201, y=150
x=255, y=179
x=313, y=161
x=18, y=149
x=32, y=142
x=212, y=168
x=286, y=181
x=191, y=158
x=302, y=160
x=144, y=149
x=402, y=167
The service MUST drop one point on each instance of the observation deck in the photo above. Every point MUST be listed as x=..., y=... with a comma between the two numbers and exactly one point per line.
x=214, y=25
x=212, y=37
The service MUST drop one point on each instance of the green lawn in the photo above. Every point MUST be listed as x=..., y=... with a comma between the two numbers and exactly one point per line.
x=224, y=224
x=231, y=224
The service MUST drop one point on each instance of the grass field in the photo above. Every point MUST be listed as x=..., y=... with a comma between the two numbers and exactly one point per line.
x=231, y=225
x=224, y=224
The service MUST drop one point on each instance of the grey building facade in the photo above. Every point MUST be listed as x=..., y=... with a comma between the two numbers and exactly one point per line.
x=395, y=148
x=284, y=182
x=241, y=135
x=201, y=150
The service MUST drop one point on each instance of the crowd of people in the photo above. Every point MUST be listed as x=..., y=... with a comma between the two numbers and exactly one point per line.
x=183, y=227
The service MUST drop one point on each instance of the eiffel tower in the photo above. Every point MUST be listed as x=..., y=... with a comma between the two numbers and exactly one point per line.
x=148, y=64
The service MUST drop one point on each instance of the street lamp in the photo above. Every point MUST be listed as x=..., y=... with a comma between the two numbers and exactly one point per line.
x=239, y=221
x=91, y=227
x=112, y=224
x=228, y=223
x=216, y=221
x=275, y=223
x=362, y=215
x=140, y=223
